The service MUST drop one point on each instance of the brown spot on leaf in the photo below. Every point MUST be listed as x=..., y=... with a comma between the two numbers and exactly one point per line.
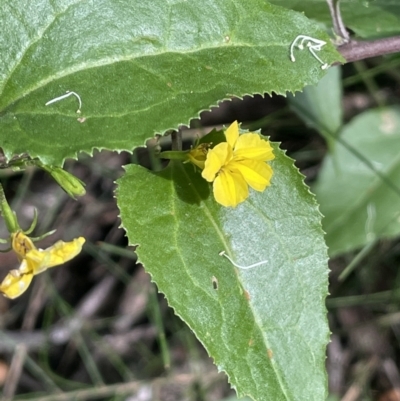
x=215, y=283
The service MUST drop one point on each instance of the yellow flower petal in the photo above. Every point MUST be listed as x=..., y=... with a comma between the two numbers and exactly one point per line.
x=16, y=282
x=252, y=146
x=21, y=244
x=235, y=165
x=57, y=254
x=232, y=134
x=230, y=188
x=217, y=157
x=35, y=261
x=256, y=174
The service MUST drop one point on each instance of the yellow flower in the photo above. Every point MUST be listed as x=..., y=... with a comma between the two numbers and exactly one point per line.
x=35, y=261
x=239, y=162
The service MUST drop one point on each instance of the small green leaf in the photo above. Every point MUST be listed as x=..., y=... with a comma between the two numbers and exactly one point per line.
x=266, y=327
x=320, y=106
x=140, y=68
x=358, y=203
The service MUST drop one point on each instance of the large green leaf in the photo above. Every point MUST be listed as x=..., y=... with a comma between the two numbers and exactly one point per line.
x=266, y=327
x=367, y=18
x=140, y=67
x=358, y=203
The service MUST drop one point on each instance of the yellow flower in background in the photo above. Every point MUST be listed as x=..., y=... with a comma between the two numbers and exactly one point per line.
x=35, y=261
x=236, y=164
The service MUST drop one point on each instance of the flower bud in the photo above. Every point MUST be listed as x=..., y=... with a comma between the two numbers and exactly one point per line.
x=72, y=185
x=198, y=155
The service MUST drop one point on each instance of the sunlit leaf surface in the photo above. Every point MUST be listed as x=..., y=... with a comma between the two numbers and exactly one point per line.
x=266, y=326
x=140, y=68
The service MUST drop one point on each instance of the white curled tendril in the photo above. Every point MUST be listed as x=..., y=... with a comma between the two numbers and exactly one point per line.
x=69, y=93
x=222, y=253
x=312, y=44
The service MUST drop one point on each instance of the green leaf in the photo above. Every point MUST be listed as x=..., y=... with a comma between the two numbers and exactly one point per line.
x=320, y=106
x=367, y=18
x=266, y=327
x=233, y=398
x=139, y=67
x=360, y=204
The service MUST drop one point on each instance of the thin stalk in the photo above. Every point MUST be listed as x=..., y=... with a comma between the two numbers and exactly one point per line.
x=372, y=72
x=117, y=250
x=173, y=155
x=176, y=139
x=369, y=82
x=160, y=328
x=357, y=259
x=77, y=337
x=7, y=213
x=338, y=24
x=87, y=359
x=115, y=269
x=367, y=299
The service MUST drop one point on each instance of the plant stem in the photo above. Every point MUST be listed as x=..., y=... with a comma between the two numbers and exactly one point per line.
x=7, y=213
x=173, y=155
x=176, y=139
x=158, y=322
x=360, y=50
x=338, y=25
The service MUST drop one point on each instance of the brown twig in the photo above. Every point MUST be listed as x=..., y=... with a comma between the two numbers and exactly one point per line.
x=353, y=50
x=360, y=50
